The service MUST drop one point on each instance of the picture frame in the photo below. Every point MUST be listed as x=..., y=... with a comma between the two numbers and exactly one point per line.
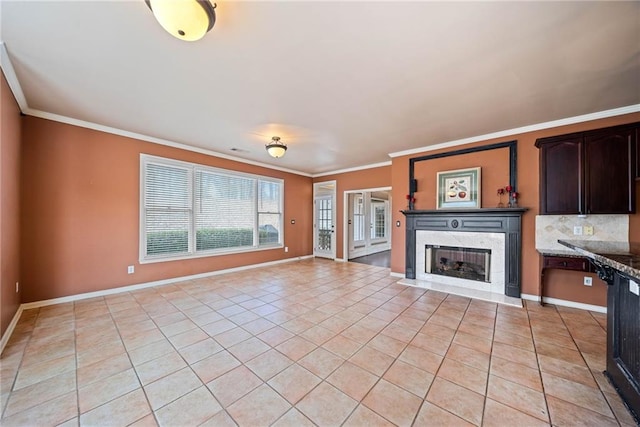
x=459, y=189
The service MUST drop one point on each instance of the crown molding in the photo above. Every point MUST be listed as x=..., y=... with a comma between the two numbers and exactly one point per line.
x=357, y=168
x=154, y=140
x=12, y=78
x=524, y=129
x=16, y=88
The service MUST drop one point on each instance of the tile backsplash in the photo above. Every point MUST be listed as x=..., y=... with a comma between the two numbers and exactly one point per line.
x=550, y=228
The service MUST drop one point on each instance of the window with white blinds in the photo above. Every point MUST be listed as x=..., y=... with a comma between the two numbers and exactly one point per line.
x=190, y=210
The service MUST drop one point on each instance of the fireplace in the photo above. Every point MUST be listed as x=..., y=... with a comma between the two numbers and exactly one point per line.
x=460, y=262
x=494, y=235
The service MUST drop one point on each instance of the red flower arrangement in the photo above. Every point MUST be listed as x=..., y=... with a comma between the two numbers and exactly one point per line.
x=513, y=196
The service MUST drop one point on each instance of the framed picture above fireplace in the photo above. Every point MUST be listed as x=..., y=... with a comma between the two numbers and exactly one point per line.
x=459, y=189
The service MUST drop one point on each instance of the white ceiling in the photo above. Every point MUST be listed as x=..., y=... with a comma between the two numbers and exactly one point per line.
x=342, y=83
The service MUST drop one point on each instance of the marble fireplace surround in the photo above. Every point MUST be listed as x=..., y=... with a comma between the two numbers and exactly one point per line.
x=464, y=239
x=489, y=228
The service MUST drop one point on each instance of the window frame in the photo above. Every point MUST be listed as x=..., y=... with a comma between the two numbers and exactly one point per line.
x=192, y=252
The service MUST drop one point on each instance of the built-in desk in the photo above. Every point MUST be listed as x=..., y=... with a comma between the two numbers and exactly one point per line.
x=561, y=260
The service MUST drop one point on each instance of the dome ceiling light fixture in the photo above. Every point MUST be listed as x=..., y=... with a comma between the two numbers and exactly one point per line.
x=187, y=20
x=276, y=148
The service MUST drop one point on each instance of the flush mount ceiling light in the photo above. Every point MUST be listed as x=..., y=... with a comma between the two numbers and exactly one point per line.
x=276, y=148
x=185, y=19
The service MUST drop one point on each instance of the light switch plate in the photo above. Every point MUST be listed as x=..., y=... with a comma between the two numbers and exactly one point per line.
x=577, y=230
x=633, y=287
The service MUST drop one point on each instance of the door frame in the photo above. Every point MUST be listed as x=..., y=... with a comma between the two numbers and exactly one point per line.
x=334, y=239
x=345, y=219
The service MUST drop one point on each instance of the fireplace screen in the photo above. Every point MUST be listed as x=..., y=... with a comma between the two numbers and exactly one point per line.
x=463, y=263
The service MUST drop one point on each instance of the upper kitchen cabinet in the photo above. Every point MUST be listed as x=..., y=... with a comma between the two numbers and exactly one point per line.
x=589, y=172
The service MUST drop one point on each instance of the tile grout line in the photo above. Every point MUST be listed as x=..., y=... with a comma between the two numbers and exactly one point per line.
x=19, y=365
x=589, y=367
x=486, y=387
x=435, y=375
x=535, y=350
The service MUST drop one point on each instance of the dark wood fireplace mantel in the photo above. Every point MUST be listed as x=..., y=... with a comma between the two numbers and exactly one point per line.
x=490, y=220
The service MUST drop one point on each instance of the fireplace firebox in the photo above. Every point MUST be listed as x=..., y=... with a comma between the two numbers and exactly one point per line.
x=460, y=262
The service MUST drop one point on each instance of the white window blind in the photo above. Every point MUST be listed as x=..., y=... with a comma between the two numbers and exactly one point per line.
x=168, y=210
x=225, y=211
x=269, y=212
x=193, y=210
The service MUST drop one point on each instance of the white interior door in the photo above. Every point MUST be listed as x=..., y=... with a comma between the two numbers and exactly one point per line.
x=368, y=223
x=324, y=236
x=358, y=225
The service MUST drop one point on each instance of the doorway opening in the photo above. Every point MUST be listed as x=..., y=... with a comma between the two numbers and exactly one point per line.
x=368, y=226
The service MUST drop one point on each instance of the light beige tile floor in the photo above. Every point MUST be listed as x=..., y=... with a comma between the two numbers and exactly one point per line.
x=312, y=342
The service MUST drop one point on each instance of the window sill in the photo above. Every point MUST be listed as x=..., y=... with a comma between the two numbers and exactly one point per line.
x=210, y=254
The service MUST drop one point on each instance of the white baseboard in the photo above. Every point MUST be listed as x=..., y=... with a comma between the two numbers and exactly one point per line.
x=87, y=295
x=565, y=303
x=529, y=297
x=10, y=329
x=400, y=275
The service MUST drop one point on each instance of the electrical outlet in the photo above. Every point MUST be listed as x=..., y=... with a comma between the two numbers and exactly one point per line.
x=17, y=287
x=588, y=230
x=633, y=287
x=286, y=248
x=577, y=230
x=588, y=281
x=131, y=269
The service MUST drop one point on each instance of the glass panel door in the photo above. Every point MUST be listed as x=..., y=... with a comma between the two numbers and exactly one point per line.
x=324, y=227
x=358, y=235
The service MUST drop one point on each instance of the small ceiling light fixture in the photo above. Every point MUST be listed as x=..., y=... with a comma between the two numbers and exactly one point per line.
x=187, y=20
x=276, y=148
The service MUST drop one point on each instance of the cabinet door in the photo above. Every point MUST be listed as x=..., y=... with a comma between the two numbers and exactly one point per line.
x=623, y=341
x=637, y=141
x=561, y=177
x=610, y=172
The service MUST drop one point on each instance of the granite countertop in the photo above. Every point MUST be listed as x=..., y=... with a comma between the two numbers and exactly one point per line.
x=560, y=252
x=622, y=256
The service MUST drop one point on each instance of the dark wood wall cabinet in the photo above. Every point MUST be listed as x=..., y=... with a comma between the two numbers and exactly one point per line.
x=590, y=172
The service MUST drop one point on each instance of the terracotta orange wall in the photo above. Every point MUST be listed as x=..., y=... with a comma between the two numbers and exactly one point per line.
x=80, y=204
x=559, y=284
x=379, y=177
x=9, y=204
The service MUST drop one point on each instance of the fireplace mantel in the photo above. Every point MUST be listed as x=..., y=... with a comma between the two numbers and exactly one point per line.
x=488, y=220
